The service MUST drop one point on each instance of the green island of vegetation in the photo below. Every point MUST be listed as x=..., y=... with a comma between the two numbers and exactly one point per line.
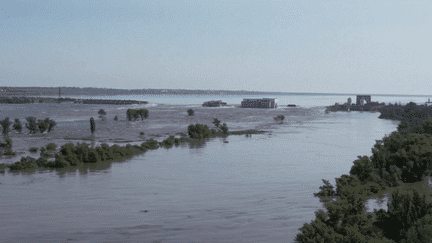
x=70, y=155
x=399, y=167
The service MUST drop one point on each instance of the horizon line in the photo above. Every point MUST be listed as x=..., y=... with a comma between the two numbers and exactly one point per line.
x=274, y=92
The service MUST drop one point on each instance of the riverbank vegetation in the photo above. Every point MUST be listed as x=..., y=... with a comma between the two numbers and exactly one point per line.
x=399, y=167
x=70, y=155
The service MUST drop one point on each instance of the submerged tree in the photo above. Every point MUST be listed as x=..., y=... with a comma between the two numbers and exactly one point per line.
x=5, y=124
x=224, y=129
x=143, y=113
x=43, y=125
x=31, y=124
x=216, y=122
x=92, y=125
x=51, y=125
x=190, y=112
x=102, y=114
x=279, y=118
x=17, y=126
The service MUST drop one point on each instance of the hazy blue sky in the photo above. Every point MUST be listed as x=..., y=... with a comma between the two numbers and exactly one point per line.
x=280, y=45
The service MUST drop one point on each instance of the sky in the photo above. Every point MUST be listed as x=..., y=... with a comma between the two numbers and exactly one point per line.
x=316, y=46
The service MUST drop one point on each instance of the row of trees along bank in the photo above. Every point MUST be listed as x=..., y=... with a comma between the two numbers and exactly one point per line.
x=400, y=166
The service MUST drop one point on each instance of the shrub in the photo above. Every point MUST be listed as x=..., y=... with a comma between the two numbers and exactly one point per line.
x=129, y=114
x=59, y=162
x=279, y=118
x=24, y=163
x=224, y=129
x=150, y=144
x=326, y=190
x=43, y=125
x=92, y=125
x=190, y=112
x=51, y=146
x=9, y=152
x=31, y=124
x=5, y=124
x=198, y=131
x=116, y=118
x=169, y=142
x=51, y=125
x=216, y=122
x=141, y=133
x=7, y=144
x=102, y=114
x=17, y=126
x=42, y=152
x=33, y=149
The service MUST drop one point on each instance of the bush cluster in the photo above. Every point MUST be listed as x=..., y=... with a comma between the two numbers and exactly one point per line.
x=171, y=140
x=132, y=114
x=41, y=125
x=199, y=131
x=76, y=155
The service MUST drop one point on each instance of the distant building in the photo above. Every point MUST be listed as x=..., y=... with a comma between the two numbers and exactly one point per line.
x=259, y=103
x=214, y=103
x=428, y=103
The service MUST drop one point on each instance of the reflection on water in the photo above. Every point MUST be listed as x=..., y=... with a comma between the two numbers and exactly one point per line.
x=256, y=188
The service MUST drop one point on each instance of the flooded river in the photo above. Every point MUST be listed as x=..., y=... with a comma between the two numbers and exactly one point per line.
x=251, y=189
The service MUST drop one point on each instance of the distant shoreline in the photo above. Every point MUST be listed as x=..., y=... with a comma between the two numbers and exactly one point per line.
x=76, y=91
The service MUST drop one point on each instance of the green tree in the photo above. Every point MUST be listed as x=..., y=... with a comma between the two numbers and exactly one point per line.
x=129, y=114
x=216, y=122
x=92, y=125
x=143, y=113
x=406, y=212
x=224, y=129
x=404, y=156
x=326, y=190
x=190, y=112
x=43, y=125
x=102, y=114
x=17, y=126
x=362, y=168
x=51, y=125
x=31, y=124
x=5, y=124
